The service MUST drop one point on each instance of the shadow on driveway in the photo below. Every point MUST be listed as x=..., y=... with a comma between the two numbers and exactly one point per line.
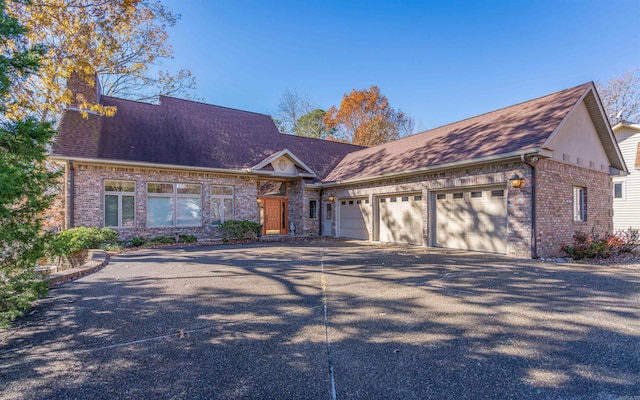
x=247, y=322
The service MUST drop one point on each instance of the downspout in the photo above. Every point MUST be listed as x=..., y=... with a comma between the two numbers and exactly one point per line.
x=320, y=207
x=72, y=193
x=534, y=222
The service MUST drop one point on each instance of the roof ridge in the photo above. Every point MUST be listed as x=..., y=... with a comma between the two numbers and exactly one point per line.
x=324, y=140
x=211, y=105
x=128, y=100
x=477, y=116
x=501, y=109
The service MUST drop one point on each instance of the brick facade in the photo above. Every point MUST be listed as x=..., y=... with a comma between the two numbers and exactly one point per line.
x=89, y=197
x=554, y=206
x=554, y=200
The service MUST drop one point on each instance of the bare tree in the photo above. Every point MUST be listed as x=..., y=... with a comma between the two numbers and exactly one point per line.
x=621, y=97
x=292, y=106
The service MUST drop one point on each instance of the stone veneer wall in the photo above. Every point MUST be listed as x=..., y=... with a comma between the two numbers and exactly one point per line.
x=555, y=204
x=518, y=200
x=89, y=197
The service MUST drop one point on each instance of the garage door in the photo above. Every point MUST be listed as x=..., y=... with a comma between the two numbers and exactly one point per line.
x=473, y=219
x=354, y=217
x=400, y=219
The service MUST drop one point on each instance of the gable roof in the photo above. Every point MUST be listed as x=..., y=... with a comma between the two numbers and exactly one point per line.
x=509, y=132
x=185, y=133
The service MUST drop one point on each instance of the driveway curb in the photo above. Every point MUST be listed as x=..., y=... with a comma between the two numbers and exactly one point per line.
x=98, y=259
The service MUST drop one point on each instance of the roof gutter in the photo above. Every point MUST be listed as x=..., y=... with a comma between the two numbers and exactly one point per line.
x=241, y=171
x=515, y=155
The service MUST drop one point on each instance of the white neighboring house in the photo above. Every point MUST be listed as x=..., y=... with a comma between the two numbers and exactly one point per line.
x=626, y=189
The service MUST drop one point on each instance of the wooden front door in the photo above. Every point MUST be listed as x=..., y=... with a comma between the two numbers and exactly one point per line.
x=276, y=220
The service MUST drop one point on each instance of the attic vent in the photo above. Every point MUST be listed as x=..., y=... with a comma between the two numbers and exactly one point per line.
x=579, y=161
x=592, y=164
x=565, y=157
x=602, y=167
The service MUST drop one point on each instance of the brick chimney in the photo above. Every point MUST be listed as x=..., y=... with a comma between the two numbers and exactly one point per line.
x=83, y=86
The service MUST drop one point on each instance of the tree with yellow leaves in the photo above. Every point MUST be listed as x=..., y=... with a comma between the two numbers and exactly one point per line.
x=121, y=41
x=366, y=119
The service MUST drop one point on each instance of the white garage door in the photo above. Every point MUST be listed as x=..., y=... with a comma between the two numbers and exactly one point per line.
x=473, y=219
x=354, y=217
x=400, y=219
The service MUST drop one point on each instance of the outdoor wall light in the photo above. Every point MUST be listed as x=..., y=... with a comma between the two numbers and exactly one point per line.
x=515, y=181
x=259, y=200
x=331, y=198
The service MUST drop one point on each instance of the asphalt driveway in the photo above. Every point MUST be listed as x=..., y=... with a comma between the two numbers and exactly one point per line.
x=250, y=322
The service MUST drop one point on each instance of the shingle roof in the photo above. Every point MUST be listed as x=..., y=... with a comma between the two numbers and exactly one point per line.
x=186, y=133
x=522, y=126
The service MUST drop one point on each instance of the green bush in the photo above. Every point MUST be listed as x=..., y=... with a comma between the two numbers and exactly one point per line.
x=137, y=241
x=162, y=240
x=185, y=238
x=240, y=230
x=73, y=240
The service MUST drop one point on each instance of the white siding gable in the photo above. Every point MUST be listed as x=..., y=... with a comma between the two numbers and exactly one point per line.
x=626, y=211
x=577, y=142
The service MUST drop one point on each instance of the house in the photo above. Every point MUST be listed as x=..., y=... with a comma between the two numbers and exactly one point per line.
x=626, y=189
x=517, y=181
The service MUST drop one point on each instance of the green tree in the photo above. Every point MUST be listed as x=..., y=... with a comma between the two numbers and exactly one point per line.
x=24, y=179
x=312, y=125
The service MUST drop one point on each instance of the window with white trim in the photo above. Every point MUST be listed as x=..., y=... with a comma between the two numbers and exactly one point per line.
x=119, y=204
x=579, y=204
x=221, y=204
x=174, y=204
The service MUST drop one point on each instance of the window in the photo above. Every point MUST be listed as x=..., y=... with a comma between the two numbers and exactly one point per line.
x=458, y=195
x=405, y=198
x=441, y=196
x=497, y=193
x=417, y=198
x=313, y=209
x=119, y=204
x=221, y=204
x=174, y=204
x=329, y=213
x=393, y=199
x=350, y=201
x=618, y=190
x=383, y=200
x=476, y=195
x=579, y=204
x=366, y=201
x=358, y=201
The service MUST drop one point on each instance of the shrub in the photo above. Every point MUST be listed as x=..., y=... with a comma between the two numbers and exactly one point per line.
x=137, y=241
x=162, y=240
x=185, y=238
x=592, y=245
x=239, y=230
x=73, y=240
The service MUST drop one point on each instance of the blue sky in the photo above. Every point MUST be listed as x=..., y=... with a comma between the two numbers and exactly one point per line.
x=438, y=61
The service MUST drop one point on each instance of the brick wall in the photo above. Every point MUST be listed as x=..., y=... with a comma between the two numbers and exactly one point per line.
x=554, y=206
x=89, y=197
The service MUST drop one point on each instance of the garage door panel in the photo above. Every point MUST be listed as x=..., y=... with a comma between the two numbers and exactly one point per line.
x=475, y=220
x=400, y=219
x=355, y=217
